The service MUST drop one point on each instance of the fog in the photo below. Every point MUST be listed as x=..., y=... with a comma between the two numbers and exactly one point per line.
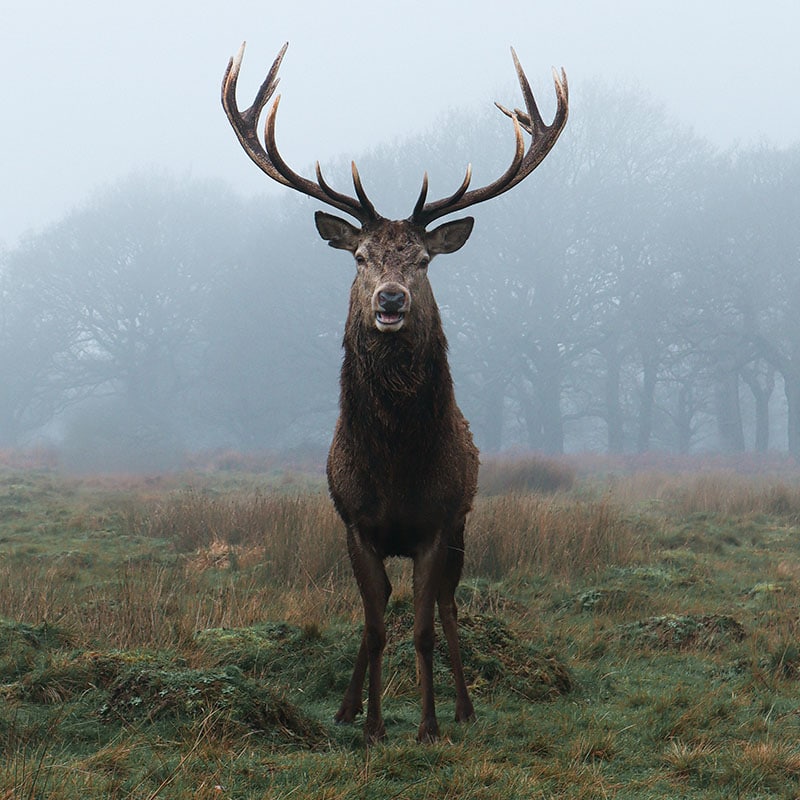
x=160, y=297
x=94, y=91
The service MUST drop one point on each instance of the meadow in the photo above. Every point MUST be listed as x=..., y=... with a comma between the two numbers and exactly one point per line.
x=626, y=633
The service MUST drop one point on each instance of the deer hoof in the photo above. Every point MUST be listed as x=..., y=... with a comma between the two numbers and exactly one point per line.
x=374, y=732
x=347, y=713
x=465, y=713
x=428, y=731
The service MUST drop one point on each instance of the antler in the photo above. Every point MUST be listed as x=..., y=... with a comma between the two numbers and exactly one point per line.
x=543, y=137
x=269, y=159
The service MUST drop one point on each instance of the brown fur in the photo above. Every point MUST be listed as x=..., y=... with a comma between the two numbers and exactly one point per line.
x=402, y=468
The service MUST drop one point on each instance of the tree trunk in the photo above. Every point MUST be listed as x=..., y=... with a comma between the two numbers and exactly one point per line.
x=613, y=410
x=791, y=382
x=649, y=374
x=541, y=408
x=491, y=429
x=683, y=418
x=729, y=413
x=761, y=396
x=550, y=394
x=529, y=408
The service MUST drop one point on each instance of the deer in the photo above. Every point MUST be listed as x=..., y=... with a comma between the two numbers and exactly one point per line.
x=402, y=468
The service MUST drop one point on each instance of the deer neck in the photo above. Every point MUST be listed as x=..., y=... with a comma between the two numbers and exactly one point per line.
x=398, y=380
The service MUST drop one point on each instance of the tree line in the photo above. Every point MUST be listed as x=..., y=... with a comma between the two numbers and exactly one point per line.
x=640, y=292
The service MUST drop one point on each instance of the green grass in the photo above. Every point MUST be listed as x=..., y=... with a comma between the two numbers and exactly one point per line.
x=190, y=637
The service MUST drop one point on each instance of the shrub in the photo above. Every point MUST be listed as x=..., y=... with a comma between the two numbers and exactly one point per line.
x=524, y=474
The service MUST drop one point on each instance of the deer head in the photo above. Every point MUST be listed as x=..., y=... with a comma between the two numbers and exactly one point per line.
x=392, y=260
x=391, y=256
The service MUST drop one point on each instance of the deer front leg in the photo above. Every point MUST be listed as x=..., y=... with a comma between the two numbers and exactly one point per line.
x=449, y=617
x=428, y=567
x=374, y=586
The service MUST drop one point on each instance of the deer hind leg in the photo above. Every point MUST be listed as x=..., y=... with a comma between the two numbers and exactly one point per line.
x=428, y=567
x=374, y=586
x=448, y=615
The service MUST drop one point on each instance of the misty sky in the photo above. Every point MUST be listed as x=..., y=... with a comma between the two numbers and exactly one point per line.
x=95, y=90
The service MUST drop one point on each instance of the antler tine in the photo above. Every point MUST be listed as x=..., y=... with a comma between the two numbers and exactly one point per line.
x=244, y=122
x=562, y=92
x=361, y=194
x=332, y=193
x=421, y=211
x=343, y=198
x=423, y=194
x=543, y=137
x=535, y=120
x=267, y=157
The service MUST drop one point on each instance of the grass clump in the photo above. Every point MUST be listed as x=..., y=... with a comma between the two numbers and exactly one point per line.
x=495, y=658
x=226, y=701
x=280, y=653
x=23, y=646
x=612, y=600
x=783, y=661
x=676, y=631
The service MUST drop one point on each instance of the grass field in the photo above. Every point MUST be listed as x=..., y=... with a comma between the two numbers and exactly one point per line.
x=190, y=636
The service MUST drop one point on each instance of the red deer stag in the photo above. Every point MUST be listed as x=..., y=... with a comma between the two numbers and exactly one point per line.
x=402, y=468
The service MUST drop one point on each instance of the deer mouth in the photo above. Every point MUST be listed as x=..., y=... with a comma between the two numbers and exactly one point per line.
x=389, y=321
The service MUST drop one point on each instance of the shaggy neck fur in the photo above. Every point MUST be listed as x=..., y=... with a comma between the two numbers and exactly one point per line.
x=395, y=384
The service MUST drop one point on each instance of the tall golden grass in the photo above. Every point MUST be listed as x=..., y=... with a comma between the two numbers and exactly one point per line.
x=556, y=535
x=233, y=558
x=300, y=540
x=724, y=493
x=161, y=606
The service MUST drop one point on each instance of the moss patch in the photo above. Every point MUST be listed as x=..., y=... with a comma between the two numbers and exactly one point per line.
x=228, y=703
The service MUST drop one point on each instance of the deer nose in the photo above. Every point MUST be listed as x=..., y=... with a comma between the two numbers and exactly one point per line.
x=391, y=302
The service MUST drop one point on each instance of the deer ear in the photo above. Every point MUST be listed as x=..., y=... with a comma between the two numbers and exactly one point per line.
x=337, y=232
x=449, y=237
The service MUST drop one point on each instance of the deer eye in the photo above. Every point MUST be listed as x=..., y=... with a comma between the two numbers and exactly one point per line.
x=424, y=261
x=360, y=260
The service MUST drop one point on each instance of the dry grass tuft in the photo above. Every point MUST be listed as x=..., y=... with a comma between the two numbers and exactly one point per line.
x=773, y=758
x=721, y=493
x=555, y=535
x=689, y=759
x=298, y=539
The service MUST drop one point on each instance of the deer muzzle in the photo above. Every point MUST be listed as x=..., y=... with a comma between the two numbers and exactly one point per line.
x=390, y=302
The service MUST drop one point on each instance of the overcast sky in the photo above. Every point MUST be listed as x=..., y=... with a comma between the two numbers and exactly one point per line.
x=93, y=91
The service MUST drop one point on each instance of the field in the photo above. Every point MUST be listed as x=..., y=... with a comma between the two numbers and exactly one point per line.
x=625, y=635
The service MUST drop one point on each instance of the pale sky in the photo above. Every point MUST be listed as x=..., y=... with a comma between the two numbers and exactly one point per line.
x=94, y=91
